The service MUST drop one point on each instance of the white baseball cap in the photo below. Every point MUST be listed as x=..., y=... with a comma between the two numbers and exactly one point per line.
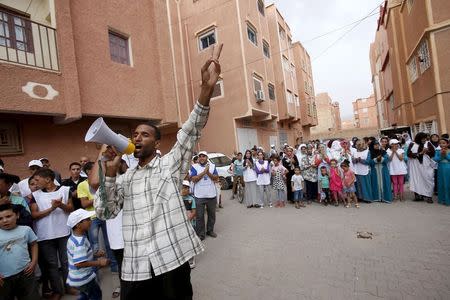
x=35, y=162
x=79, y=215
x=203, y=153
x=186, y=183
x=393, y=141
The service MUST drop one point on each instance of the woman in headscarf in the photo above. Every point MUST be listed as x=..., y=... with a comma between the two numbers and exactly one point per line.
x=336, y=150
x=361, y=160
x=309, y=172
x=442, y=156
x=421, y=168
x=290, y=162
x=434, y=141
x=301, y=152
x=346, y=153
x=379, y=172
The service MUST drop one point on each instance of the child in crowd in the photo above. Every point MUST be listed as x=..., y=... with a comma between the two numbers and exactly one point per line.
x=218, y=186
x=279, y=181
x=82, y=265
x=336, y=182
x=189, y=203
x=297, y=187
x=397, y=168
x=262, y=169
x=324, y=185
x=349, y=184
x=16, y=267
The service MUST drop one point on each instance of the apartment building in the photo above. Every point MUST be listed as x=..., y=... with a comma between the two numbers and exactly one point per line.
x=365, y=112
x=64, y=63
x=328, y=116
x=416, y=88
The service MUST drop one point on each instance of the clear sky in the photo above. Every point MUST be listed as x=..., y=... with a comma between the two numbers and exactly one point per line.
x=343, y=70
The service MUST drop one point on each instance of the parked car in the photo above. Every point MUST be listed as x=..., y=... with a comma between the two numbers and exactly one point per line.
x=222, y=163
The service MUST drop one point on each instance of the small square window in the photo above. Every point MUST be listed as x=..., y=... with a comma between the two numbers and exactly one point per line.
x=251, y=33
x=266, y=49
x=118, y=48
x=271, y=91
x=261, y=6
x=10, y=138
x=207, y=39
x=281, y=32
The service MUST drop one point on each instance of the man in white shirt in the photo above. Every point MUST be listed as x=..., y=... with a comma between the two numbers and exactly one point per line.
x=204, y=174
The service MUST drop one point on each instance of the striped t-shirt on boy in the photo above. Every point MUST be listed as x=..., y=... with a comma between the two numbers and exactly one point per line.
x=79, y=250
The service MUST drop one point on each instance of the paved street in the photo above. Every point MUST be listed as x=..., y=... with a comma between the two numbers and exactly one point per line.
x=313, y=253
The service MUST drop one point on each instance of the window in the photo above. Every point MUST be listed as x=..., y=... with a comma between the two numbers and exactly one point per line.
x=261, y=6
x=207, y=39
x=412, y=70
x=289, y=97
x=218, y=90
x=297, y=102
x=424, y=57
x=257, y=84
x=15, y=32
x=281, y=32
x=271, y=91
x=286, y=64
x=10, y=138
x=251, y=34
x=409, y=4
x=364, y=110
x=266, y=49
x=118, y=48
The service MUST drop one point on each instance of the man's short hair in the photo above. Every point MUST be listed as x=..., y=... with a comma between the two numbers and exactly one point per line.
x=155, y=128
x=45, y=173
x=6, y=206
x=75, y=163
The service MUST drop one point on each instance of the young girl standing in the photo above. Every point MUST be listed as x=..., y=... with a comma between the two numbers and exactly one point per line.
x=442, y=157
x=336, y=183
x=349, y=184
x=250, y=188
x=279, y=181
x=397, y=168
x=324, y=185
x=297, y=183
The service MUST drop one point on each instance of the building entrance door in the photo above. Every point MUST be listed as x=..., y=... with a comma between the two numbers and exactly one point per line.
x=247, y=138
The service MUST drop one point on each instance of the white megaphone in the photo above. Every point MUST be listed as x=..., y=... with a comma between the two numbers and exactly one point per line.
x=99, y=132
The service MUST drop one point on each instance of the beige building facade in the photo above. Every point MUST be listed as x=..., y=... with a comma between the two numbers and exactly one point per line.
x=365, y=112
x=64, y=63
x=328, y=116
x=412, y=79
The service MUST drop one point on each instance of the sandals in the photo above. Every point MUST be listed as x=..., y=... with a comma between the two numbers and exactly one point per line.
x=116, y=293
x=357, y=205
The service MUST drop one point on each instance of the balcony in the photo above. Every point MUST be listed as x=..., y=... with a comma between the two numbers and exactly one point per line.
x=28, y=43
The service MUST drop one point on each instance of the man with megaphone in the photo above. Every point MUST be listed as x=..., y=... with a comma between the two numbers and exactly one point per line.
x=159, y=239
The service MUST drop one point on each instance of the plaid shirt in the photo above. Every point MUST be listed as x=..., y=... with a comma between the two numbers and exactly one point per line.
x=156, y=231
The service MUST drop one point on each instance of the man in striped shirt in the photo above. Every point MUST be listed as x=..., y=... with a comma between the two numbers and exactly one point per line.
x=158, y=237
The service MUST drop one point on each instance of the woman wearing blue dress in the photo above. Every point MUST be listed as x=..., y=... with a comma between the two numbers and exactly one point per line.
x=379, y=172
x=442, y=157
x=361, y=167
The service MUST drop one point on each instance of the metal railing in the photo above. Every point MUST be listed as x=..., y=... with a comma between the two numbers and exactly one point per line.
x=26, y=42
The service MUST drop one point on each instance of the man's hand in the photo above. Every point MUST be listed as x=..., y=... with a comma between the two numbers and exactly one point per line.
x=112, y=159
x=99, y=253
x=56, y=203
x=29, y=269
x=210, y=74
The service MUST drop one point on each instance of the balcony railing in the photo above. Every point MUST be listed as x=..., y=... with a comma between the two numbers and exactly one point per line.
x=25, y=42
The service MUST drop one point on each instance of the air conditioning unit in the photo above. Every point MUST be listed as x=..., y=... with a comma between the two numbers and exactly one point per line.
x=259, y=96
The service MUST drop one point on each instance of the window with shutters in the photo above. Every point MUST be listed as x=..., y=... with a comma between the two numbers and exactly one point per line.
x=15, y=31
x=412, y=70
x=266, y=49
x=119, y=48
x=10, y=138
x=271, y=91
x=424, y=56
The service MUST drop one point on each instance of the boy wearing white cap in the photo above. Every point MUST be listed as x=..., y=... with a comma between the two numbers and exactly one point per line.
x=81, y=258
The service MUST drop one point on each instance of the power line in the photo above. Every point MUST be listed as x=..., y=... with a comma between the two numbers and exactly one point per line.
x=340, y=28
x=347, y=32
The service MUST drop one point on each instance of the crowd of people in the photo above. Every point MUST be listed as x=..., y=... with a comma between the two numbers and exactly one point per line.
x=345, y=172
